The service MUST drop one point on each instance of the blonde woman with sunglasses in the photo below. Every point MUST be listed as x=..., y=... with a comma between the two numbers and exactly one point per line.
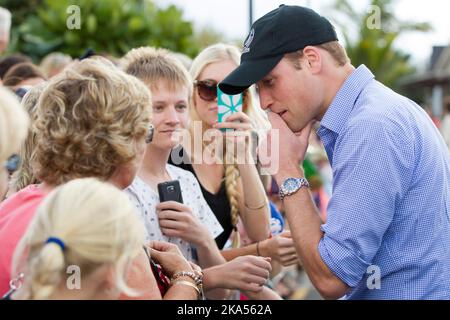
x=233, y=190
x=245, y=196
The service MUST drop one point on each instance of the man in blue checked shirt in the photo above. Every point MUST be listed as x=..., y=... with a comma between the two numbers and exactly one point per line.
x=387, y=234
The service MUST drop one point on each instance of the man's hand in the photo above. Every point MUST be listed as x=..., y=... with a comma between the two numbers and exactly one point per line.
x=292, y=146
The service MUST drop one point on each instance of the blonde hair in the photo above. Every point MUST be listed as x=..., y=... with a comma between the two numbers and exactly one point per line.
x=24, y=176
x=97, y=225
x=14, y=123
x=216, y=53
x=185, y=60
x=88, y=122
x=54, y=62
x=152, y=65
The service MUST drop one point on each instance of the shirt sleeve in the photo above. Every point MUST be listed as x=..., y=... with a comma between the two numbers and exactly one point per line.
x=372, y=169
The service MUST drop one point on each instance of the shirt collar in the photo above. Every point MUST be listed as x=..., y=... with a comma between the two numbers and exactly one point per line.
x=344, y=101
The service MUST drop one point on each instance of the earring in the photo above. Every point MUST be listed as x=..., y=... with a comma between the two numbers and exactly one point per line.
x=149, y=136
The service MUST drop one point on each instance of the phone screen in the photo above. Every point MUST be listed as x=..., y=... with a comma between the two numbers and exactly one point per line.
x=228, y=105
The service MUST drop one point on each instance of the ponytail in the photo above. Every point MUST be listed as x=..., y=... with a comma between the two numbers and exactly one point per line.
x=47, y=269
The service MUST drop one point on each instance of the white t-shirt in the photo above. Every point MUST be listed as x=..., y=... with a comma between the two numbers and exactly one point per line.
x=145, y=199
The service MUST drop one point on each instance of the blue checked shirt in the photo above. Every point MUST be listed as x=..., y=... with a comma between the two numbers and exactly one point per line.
x=387, y=234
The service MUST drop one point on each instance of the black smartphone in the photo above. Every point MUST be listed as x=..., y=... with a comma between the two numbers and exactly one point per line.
x=170, y=191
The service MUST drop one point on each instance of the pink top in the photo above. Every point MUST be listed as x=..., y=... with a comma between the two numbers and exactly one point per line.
x=16, y=214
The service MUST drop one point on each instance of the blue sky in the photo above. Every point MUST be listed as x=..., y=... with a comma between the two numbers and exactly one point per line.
x=231, y=17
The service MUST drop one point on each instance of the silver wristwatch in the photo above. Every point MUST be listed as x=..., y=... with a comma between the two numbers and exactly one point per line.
x=291, y=186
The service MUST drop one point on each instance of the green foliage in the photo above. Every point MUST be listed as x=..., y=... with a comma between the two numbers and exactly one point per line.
x=107, y=26
x=20, y=9
x=374, y=47
x=207, y=36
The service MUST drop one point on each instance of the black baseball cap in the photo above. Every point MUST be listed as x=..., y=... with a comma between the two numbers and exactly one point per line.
x=283, y=30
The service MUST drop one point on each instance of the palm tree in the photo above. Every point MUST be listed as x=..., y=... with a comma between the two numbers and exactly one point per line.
x=373, y=44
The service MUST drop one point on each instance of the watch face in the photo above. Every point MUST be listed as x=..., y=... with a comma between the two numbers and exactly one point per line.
x=291, y=184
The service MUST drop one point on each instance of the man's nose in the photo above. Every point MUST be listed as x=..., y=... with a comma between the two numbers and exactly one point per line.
x=264, y=99
x=172, y=116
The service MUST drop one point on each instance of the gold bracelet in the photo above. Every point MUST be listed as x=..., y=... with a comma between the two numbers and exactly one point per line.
x=196, y=276
x=264, y=204
x=187, y=283
x=257, y=249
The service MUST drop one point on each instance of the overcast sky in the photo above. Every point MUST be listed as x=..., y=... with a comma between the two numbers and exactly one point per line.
x=231, y=18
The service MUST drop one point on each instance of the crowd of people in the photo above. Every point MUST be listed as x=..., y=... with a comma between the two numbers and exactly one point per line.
x=96, y=123
x=86, y=143
x=92, y=126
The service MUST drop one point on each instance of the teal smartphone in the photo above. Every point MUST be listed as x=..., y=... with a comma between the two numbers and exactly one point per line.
x=228, y=105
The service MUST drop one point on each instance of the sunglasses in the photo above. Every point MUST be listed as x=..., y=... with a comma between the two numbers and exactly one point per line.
x=12, y=164
x=207, y=90
x=22, y=91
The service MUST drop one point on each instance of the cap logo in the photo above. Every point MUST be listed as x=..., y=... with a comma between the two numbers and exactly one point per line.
x=248, y=41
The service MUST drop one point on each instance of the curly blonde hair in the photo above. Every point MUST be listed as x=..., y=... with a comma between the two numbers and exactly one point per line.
x=88, y=122
x=24, y=176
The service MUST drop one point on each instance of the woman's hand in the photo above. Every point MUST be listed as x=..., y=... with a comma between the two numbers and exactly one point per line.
x=237, y=121
x=195, y=267
x=280, y=248
x=177, y=220
x=242, y=126
x=169, y=257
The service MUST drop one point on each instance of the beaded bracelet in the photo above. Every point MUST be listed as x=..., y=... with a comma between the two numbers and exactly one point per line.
x=189, y=274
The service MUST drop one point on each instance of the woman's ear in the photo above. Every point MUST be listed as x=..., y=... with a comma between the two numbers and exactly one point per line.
x=313, y=59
